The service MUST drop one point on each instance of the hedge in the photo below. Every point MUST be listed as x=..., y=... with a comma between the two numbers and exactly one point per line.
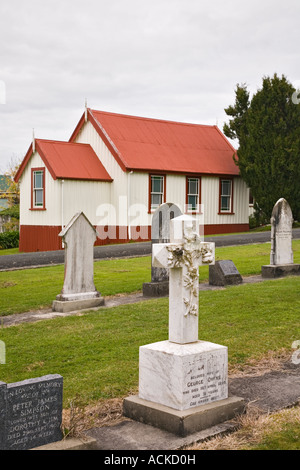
x=9, y=240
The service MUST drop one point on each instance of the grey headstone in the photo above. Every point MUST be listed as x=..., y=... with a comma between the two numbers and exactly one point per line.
x=33, y=412
x=281, y=233
x=2, y=414
x=160, y=233
x=79, y=291
x=79, y=237
x=224, y=273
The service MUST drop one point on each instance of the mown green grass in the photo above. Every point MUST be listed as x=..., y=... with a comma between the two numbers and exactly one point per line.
x=287, y=438
x=29, y=289
x=9, y=251
x=97, y=353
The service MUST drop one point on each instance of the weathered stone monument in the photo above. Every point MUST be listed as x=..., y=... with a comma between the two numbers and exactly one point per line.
x=160, y=233
x=31, y=412
x=79, y=291
x=281, y=257
x=183, y=382
x=224, y=273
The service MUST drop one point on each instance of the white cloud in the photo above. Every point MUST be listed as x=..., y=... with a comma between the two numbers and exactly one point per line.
x=168, y=59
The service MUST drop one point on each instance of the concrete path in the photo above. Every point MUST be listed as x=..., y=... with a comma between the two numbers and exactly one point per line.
x=44, y=258
x=268, y=392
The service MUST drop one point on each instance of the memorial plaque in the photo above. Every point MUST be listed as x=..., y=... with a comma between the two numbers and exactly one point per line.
x=2, y=413
x=33, y=413
x=224, y=273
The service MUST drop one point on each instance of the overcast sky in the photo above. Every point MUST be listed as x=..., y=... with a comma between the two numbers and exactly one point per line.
x=170, y=59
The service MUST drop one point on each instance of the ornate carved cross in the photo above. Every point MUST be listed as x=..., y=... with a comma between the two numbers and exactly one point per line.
x=183, y=256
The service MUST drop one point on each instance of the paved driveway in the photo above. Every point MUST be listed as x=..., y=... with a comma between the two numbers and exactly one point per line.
x=45, y=258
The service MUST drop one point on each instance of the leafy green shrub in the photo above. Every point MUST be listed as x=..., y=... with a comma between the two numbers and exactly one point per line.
x=9, y=240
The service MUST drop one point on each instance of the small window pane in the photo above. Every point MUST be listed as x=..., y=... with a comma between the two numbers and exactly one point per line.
x=225, y=203
x=38, y=179
x=157, y=184
x=156, y=200
x=193, y=186
x=192, y=203
x=226, y=188
x=39, y=197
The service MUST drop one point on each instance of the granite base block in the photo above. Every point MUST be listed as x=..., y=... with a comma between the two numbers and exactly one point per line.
x=156, y=289
x=271, y=271
x=186, y=422
x=182, y=376
x=64, y=306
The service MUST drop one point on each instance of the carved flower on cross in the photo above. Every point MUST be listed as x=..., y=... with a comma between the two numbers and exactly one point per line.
x=187, y=254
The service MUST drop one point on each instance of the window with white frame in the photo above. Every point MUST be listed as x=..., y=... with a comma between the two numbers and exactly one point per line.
x=225, y=195
x=157, y=183
x=193, y=194
x=38, y=183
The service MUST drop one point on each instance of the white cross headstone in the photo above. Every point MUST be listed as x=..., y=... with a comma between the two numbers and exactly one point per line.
x=183, y=256
x=183, y=373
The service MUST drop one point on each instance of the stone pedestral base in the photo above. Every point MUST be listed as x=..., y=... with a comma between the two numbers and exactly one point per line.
x=73, y=302
x=272, y=271
x=182, y=376
x=186, y=422
x=156, y=289
x=183, y=388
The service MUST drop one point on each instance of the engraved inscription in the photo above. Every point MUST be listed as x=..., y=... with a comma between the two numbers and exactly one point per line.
x=33, y=414
x=206, y=381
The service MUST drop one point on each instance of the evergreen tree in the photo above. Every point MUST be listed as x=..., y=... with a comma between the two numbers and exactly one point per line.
x=268, y=130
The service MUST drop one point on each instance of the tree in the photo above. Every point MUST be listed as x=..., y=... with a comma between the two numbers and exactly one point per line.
x=12, y=189
x=268, y=130
x=11, y=194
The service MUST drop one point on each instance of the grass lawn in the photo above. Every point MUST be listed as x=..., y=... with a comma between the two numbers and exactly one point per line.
x=9, y=251
x=24, y=290
x=97, y=352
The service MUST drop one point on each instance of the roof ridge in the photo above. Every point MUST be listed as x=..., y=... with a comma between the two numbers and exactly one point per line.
x=152, y=119
x=60, y=141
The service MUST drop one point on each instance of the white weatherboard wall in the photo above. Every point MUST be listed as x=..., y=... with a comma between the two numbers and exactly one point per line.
x=118, y=188
x=106, y=203
x=210, y=199
x=62, y=200
x=50, y=216
x=85, y=196
x=176, y=188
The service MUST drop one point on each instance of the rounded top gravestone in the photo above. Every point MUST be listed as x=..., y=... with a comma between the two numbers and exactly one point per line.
x=281, y=233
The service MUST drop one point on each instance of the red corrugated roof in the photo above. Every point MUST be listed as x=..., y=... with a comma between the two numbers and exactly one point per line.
x=157, y=145
x=68, y=160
